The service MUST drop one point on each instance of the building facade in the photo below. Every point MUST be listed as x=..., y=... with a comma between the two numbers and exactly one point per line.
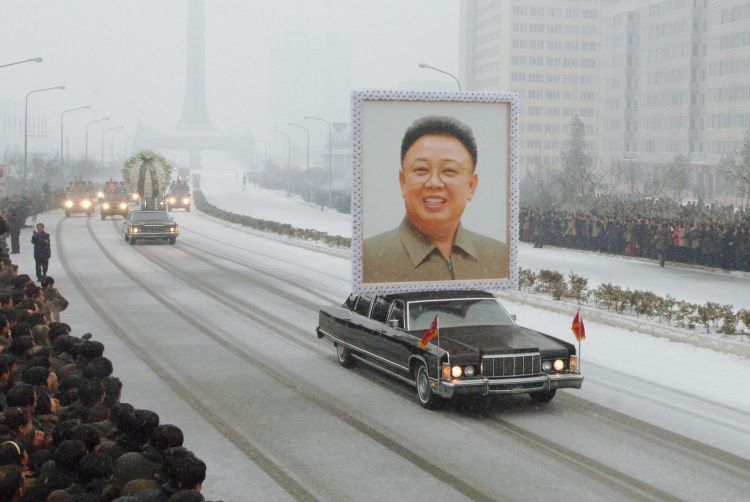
x=547, y=51
x=651, y=79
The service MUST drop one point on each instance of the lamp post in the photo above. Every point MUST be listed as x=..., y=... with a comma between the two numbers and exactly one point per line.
x=87, y=135
x=330, y=158
x=26, y=124
x=288, y=160
x=62, y=158
x=104, y=131
x=307, y=161
x=423, y=65
x=32, y=60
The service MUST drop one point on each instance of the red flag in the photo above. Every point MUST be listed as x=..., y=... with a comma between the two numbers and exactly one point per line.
x=579, y=330
x=431, y=333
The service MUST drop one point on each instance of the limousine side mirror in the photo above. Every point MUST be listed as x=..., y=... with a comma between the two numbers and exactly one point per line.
x=393, y=323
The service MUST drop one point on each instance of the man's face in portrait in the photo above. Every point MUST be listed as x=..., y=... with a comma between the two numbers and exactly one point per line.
x=437, y=181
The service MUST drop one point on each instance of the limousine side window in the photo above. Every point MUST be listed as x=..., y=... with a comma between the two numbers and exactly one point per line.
x=349, y=303
x=363, y=306
x=380, y=309
x=397, y=314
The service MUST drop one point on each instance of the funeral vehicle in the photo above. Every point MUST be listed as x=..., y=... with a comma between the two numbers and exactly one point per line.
x=112, y=203
x=78, y=202
x=148, y=226
x=178, y=200
x=178, y=195
x=448, y=344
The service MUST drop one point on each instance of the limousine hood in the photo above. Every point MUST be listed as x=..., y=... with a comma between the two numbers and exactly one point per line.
x=490, y=340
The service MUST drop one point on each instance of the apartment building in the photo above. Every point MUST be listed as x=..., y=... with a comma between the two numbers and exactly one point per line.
x=652, y=79
x=548, y=52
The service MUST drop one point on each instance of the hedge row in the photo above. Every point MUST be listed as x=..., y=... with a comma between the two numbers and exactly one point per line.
x=712, y=317
x=275, y=227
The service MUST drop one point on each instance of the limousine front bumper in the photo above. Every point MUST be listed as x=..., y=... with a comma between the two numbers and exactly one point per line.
x=523, y=385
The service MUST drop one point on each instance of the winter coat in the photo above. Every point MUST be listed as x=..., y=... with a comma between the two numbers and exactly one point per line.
x=55, y=304
x=42, y=250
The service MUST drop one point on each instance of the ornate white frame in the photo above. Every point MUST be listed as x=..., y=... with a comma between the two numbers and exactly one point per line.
x=358, y=99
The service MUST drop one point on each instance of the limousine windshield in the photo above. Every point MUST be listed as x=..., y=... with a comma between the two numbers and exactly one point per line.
x=457, y=313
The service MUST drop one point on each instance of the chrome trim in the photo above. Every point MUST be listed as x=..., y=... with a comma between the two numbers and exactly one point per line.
x=375, y=366
x=505, y=385
x=492, y=372
x=337, y=340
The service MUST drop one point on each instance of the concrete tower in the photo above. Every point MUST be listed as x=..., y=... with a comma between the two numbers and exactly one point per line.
x=194, y=110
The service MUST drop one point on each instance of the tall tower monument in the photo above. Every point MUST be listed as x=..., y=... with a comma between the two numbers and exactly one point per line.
x=194, y=110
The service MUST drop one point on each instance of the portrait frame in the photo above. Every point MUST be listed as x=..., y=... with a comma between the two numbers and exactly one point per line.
x=379, y=120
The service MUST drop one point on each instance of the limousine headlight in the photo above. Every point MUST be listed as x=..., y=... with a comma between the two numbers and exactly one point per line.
x=134, y=230
x=559, y=365
x=469, y=371
x=457, y=371
x=546, y=365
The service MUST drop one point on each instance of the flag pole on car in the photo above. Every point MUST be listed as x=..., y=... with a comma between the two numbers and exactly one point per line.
x=579, y=330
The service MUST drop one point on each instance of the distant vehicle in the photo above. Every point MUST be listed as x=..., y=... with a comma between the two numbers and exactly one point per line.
x=178, y=196
x=478, y=348
x=178, y=201
x=78, y=202
x=113, y=203
x=149, y=225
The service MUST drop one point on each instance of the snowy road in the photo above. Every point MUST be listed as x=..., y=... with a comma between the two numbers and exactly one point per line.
x=216, y=334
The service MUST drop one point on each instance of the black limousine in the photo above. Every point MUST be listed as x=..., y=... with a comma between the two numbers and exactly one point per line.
x=449, y=343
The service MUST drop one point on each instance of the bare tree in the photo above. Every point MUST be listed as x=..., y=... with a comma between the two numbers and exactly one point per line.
x=540, y=187
x=677, y=175
x=736, y=167
x=644, y=180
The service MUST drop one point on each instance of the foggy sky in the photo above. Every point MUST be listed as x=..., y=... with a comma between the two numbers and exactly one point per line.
x=125, y=58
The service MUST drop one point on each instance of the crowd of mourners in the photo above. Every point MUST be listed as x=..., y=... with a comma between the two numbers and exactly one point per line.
x=712, y=235
x=64, y=433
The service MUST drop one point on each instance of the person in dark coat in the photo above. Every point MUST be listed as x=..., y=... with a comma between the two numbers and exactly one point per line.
x=42, y=251
x=15, y=222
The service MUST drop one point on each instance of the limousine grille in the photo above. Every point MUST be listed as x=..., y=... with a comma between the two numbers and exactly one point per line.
x=512, y=365
x=154, y=228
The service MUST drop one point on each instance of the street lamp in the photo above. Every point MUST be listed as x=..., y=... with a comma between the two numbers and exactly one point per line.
x=87, y=136
x=423, y=65
x=288, y=160
x=330, y=158
x=62, y=160
x=103, y=131
x=26, y=124
x=307, y=162
x=32, y=60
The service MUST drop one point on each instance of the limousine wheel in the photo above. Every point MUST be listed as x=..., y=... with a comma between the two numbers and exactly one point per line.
x=544, y=396
x=426, y=398
x=344, y=356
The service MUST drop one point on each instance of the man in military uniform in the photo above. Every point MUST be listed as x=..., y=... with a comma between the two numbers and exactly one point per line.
x=437, y=180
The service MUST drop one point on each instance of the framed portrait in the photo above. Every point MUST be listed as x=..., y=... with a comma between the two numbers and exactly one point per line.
x=435, y=191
